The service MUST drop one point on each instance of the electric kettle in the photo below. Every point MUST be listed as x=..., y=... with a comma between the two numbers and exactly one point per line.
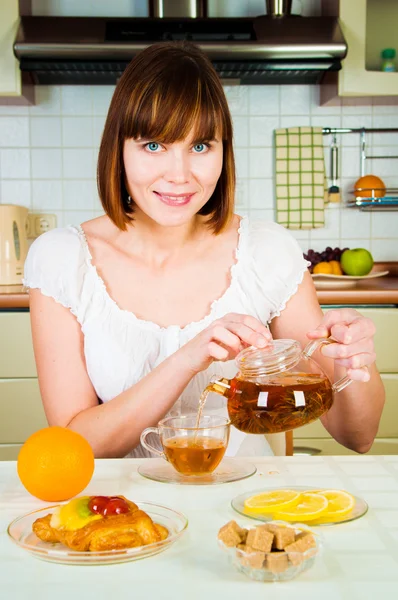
x=13, y=243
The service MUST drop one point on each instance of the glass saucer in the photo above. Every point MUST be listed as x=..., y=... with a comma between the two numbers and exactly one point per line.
x=230, y=469
x=20, y=532
x=360, y=507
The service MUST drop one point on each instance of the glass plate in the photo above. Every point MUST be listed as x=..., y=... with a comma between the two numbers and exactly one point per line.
x=20, y=531
x=237, y=504
x=326, y=280
x=228, y=470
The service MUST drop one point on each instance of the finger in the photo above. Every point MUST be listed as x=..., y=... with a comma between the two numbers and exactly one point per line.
x=248, y=336
x=333, y=317
x=359, y=374
x=226, y=337
x=358, y=361
x=218, y=352
x=347, y=350
x=250, y=322
x=359, y=329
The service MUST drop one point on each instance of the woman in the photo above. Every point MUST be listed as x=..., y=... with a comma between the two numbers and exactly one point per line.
x=134, y=311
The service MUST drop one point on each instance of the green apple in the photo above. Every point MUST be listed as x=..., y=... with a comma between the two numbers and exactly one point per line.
x=356, y=261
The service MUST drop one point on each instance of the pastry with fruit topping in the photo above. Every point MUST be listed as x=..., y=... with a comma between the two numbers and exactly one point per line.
x=98, y=523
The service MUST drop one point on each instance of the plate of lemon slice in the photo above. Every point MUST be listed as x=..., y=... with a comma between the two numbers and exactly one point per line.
x=299, y=504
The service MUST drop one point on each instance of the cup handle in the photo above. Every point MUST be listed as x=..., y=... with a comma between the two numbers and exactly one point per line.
x=309, y=351
x=148, y=446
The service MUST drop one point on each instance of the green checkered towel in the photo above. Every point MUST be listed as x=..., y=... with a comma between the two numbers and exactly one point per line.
x=300, y=179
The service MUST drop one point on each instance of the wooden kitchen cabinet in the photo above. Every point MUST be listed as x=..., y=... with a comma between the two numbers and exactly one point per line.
x=369, y=26
x=314, y=439
x=13, y=90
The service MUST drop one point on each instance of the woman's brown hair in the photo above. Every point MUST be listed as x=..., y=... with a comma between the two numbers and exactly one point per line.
x=165, y=91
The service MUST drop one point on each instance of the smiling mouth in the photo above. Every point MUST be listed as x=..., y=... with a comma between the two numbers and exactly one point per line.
x=175, y=199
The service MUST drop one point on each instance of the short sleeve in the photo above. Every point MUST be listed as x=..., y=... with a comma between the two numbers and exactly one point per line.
x=277, y=267
x=54, y=265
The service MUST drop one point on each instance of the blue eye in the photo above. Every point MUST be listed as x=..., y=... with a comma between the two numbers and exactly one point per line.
x=152, y=146
x=199, y=148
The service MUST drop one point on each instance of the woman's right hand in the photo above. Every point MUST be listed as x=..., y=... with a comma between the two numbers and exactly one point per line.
x=223, y=340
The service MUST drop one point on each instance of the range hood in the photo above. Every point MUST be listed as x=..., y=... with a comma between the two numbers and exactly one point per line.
x=255, y=50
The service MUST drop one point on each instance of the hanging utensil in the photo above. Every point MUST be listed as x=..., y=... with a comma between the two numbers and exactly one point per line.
x=334, y=190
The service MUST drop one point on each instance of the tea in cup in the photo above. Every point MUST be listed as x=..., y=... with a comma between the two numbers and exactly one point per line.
x=191, y=448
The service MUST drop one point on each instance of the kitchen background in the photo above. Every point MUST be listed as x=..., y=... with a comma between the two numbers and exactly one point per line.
x=48, y=151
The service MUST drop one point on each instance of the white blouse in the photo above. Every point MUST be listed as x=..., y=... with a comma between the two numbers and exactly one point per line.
x=120, y=348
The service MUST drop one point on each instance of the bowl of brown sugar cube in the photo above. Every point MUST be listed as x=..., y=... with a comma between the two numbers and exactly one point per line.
x=274, y=551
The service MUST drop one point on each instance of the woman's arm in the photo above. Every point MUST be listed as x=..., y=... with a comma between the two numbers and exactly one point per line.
x=113, y=429
x=354, y=417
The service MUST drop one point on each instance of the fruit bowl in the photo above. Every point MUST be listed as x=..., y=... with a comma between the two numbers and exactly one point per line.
x=324, y=280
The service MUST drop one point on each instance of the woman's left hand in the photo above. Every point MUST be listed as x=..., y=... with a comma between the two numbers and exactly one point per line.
x=354, y=334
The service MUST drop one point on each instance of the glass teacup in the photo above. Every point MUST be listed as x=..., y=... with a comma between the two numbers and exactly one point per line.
x=189, y=448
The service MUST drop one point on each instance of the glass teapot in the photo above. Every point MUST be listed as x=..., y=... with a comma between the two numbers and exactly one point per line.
x=278, y=388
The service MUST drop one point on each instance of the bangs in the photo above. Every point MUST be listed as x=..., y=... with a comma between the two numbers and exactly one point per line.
x=169, y=110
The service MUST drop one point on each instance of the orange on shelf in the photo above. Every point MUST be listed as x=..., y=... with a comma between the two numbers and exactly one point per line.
x=370, y=186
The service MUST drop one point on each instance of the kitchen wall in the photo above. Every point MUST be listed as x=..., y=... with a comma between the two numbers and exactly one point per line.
x=48, y=151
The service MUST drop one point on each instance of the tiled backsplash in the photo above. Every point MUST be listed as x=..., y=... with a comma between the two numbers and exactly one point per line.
x=48, y=156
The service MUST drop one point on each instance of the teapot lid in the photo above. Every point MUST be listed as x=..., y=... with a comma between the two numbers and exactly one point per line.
x=278, y=356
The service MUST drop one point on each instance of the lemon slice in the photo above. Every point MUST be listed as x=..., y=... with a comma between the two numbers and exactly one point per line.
x=340, y=503
x=309, y=508
x=268, y=502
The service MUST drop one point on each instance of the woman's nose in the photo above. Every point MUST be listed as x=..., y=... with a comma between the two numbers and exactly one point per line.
x=178, y=169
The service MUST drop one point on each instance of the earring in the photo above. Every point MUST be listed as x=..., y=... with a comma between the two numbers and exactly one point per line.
x=129, y=200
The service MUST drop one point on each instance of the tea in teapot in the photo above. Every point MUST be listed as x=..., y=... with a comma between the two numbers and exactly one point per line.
x=277, y=389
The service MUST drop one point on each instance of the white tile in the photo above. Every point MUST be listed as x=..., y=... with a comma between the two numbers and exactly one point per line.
x=325, y=121
x=10, y=109
x=331, y=230
x=261, y=194
x=48, y=100
x=76, y=100
x=264, y=99
x=15, y=164
x=78, y=195
x=384, y=139
x=98, y=129
x=295, y=100
x=356, y=121
x=77, y=132
x=295, y=121
x=346, y=541
x=318, y=244
x=241, y=162
x=387, y=109
x=241, y=193
x=262, y=130
x=47, y=195
x=303, y=237
x=238, y=99
x=14, y=132
x=352, y=106
x=45, y=132
x=369, y=590
x=385, y=225
x=262, y=215
x=241, y=132
x=347, y=242
x=78, y=163
x=384, y=249
x=15, y=192
x=261, y=162
x=102, y=96
x=350, y=163
x=46, y=163
x=356, y=222
x=77, y=217
x=384, y=484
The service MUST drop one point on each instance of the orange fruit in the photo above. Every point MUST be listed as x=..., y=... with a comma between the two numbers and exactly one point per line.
x=323, y=267
x=336, y=267
x=55, y=464
x=370, y=186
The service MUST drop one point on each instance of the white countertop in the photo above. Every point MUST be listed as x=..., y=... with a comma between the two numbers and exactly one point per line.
x=359, y=562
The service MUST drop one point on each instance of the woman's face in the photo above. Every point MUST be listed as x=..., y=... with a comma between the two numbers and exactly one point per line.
x=170, y=183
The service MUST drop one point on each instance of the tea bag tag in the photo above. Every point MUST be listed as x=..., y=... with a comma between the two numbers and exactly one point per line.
x=262, y=399
x=299, y=398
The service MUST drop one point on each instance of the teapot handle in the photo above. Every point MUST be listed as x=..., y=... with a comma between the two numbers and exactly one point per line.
x=309, y=351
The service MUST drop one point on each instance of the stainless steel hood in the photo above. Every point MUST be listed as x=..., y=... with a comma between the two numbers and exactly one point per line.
x=258, y=50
